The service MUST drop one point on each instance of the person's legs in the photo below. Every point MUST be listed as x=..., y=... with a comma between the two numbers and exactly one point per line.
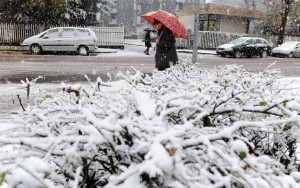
x=147, y=50
x=172, y=63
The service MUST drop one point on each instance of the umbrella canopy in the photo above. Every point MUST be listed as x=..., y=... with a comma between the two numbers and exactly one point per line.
x=169, y=20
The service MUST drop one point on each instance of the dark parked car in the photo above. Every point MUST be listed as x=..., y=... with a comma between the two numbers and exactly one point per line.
x=245, y=46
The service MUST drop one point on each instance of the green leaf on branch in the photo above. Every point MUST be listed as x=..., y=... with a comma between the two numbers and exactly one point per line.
x=2, y=177
x=46, y=97
x=135, y=82
x=238, y=100
x=262, y=103
x=243, y=155
x=287, y=127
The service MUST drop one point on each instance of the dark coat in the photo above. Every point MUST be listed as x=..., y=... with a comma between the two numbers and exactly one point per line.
x=165, y=50
x=147, y=39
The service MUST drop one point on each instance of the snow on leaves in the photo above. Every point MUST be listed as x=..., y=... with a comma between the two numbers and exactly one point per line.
x=182, y=127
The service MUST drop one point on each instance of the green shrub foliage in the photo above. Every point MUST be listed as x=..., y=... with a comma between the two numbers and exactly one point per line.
x=183, y=127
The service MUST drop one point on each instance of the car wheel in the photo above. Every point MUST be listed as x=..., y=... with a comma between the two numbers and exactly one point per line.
x=83, y=50
x=36, y=49
x=264, y=54
x=237, y=54
x=290, y=55
x=223, y=55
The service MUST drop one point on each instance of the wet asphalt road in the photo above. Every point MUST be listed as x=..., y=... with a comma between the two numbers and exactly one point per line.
x=72, y=68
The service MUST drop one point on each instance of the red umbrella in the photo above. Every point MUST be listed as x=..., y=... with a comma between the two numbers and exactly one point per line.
x=169, y=20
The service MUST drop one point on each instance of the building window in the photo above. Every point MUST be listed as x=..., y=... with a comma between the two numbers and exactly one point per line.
x=179, y=6
x=209, y=22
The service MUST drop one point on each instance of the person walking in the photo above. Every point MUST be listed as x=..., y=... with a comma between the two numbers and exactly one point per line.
x=166, y=55
x=147, y=42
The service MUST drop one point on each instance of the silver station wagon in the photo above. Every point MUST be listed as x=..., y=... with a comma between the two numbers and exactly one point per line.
x=67, y=39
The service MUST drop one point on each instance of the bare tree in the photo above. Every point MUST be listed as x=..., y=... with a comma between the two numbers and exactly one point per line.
x=286, y=8
x=278, y=14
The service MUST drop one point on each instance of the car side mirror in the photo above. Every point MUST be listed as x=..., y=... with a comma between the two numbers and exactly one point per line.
x=297, y=47
x=46, y=37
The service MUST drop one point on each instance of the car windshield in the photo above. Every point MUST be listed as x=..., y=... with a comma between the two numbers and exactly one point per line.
x=42, y=33
x=238, y=41
x=288, y=45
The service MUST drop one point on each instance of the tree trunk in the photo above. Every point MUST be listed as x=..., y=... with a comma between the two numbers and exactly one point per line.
x=47, y=14
x=284, y=17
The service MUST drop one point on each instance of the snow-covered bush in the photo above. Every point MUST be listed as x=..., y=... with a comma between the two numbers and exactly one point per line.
x=182, y=127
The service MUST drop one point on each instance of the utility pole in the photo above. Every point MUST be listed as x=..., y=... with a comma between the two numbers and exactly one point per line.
x=196, y=32
x=134, y=16
x=160, y=4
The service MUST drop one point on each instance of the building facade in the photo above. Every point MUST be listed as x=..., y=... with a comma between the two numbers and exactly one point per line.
x=130, y=11
x=224, y=18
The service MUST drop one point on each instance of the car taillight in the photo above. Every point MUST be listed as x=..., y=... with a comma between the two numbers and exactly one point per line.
x=95, y=40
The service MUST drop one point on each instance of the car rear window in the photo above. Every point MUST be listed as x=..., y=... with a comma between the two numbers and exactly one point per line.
x=83, y=33
x=68, y=32
x=93, y=33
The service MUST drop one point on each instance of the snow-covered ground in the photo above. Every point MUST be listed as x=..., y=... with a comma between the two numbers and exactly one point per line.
x=9, y=103
x=134, y=48
x=8, y=97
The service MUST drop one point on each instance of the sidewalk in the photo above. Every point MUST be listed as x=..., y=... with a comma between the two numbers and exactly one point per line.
x=139, y=42
x=4, y=48
x=208, y=52
x=135, y=42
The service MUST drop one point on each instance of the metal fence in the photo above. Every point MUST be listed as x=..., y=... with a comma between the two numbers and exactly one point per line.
x=14, y=34
x=110, y=36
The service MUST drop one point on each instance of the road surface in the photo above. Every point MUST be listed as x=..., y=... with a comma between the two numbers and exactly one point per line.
x=72, y=68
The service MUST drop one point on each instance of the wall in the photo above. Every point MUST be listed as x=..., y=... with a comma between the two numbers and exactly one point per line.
x=187, y=21
x=233, y=24
x=227, y=24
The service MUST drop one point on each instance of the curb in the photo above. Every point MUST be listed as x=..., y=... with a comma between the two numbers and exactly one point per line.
x=187, y=52
x=19, y=49
x=10, y=48
x=178, y=50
